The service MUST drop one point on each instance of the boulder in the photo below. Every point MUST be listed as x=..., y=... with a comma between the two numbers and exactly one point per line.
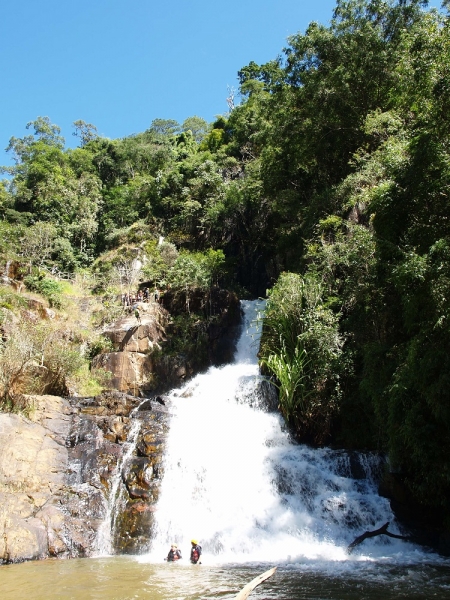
x=138, y=475
x=129, y=335
x=36, y=306
x=33, y=483
x=149, y=442
x=56, y=473
x=130, y=371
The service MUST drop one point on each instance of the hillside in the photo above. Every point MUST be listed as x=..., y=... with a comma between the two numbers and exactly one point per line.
x=328, y=187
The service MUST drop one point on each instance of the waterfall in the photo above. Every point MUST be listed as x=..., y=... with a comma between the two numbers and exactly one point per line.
x=105, y=535
x=234, y=479
x=7, y=268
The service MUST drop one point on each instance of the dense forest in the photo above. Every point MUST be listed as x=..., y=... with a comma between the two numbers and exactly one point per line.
x=326, y=188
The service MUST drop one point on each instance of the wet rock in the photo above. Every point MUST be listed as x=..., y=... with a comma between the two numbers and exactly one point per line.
x=59, y=468
x=149, y=443
x=37, y=501
x=135, y=527
x=139, y=477
x=146, y=405
x=57, y=471
x=153, y=403
x=116, y=429
x=142, y=476
x=110, y=402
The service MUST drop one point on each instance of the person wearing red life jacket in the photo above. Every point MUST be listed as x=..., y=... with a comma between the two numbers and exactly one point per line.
x=174, y=554
x=196, y=552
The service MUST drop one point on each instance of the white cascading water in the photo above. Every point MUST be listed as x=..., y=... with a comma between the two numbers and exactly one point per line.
x=235, y=481
x=7, y=268
x=106, y=530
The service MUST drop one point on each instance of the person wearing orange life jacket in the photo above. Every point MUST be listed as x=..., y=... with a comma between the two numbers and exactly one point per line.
x=196, y=552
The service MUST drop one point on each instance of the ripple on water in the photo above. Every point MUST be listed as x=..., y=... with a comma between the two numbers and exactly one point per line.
x=126, y=578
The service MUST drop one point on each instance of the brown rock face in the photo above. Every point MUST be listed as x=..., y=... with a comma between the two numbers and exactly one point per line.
x=142, y=476
x=139, y=363
x=36, y=502
x=131, y=371
x=60, y=468
x=131, y=363
x=130, y=335
x=57, y=472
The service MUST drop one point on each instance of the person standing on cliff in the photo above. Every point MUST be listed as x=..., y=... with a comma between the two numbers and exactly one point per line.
x=137, y=314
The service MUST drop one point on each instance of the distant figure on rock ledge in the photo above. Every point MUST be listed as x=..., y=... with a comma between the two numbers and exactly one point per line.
x=137, y=314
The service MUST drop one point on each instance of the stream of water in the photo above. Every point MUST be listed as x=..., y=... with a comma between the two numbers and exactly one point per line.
x=105, y=532
x=235, y=481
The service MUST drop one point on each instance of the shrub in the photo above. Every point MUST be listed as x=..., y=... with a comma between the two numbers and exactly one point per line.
x=301, y=347
x=10, y=300
x=89, y=382
x=35, y=360
x=99, y=346
x=49, y=288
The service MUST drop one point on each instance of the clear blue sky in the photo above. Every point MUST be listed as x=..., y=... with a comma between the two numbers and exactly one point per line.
x=120, y=64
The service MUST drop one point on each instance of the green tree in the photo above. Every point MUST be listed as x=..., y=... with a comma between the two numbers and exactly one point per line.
x=85, y=131
x=37, y=244
x=164, y=127
x=197, y=126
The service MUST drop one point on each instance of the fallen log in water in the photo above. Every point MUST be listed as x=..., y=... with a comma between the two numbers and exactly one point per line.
x=245, y=592
x=368, y=534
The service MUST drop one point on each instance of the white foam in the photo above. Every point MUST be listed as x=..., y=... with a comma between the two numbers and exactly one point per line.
x=234, y=481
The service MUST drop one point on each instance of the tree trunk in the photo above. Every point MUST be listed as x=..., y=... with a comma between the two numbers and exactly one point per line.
x=368, y=534
x=245, y=592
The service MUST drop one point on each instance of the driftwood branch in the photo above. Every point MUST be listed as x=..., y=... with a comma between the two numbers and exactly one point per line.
x=245, y=592
x=368, y=534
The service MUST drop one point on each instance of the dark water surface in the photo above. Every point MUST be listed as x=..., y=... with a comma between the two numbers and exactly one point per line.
x=126, y=578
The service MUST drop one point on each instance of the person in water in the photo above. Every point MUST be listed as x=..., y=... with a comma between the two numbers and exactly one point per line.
x=174, y=553
x=196, y=552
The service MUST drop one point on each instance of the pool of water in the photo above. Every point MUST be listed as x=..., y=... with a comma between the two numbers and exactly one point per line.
x=126, y=578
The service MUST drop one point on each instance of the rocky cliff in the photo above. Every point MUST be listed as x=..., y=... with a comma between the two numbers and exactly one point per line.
x=40, y=511
x=80, y=476
x=147, y=356
x=59, y=469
